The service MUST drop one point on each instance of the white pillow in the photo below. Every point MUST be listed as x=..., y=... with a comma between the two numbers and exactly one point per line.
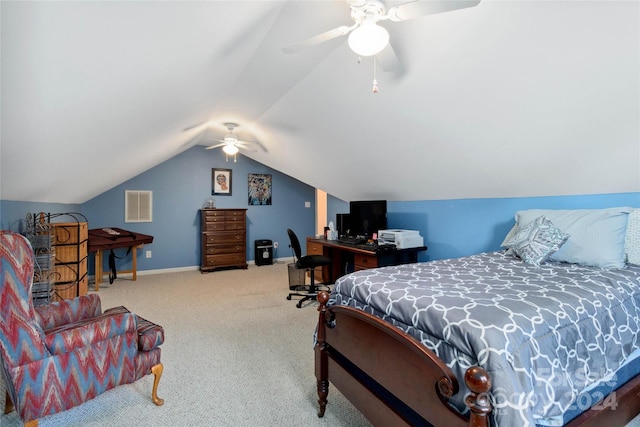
x=632, y=238
x=509, y=236
x=597, y=236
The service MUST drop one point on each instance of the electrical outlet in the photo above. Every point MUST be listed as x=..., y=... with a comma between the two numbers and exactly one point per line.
x=275, y=245
x=148, y=254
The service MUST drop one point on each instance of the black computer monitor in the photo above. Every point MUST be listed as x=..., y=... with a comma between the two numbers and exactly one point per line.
x=343, y=225
x=366, y=217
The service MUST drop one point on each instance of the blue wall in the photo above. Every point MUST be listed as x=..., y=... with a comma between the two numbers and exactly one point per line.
x=451, y=228
x=455, y=228
x=180, y=186
x=13, y=214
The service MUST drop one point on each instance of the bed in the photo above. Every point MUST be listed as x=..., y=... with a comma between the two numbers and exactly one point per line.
x=543, y=332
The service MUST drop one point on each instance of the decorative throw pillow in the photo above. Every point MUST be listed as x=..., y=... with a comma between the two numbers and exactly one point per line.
x=632, y=238
x=536, y=241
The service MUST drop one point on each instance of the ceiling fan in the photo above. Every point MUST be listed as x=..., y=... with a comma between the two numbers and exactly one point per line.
x=366, y=37
x=231, y=145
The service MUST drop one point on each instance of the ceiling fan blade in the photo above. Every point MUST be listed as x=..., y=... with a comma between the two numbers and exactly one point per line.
x=388, y=60
x=188, y=128
x=320, y=38
x=246, y=147
x=211, y=147
x=251, y=145
x=417, y=9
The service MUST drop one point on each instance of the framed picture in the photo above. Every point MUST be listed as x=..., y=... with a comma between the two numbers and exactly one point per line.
x=221, y=182
x=259, y=189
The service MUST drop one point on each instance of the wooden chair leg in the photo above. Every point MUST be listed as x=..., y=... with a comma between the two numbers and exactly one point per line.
x=8, y=408
x=157, y=373
x=8, y=404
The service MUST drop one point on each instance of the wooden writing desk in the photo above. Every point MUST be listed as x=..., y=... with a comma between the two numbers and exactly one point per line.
x=101, y=239
x=357, y=257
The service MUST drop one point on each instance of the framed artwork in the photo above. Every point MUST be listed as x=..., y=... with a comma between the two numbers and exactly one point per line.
x=221, y=182
x=259, y=189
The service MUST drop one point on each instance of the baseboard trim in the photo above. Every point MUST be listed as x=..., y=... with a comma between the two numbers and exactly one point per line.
x=188, y=268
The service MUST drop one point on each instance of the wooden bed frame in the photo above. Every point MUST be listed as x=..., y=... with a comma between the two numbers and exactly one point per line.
x=376, y=366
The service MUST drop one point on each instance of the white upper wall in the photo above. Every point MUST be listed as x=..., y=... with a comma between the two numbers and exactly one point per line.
x=506, y=99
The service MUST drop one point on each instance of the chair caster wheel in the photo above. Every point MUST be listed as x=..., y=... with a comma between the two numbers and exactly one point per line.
x=289, y=297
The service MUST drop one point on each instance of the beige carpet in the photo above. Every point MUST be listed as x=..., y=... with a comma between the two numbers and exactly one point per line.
x=236, y=353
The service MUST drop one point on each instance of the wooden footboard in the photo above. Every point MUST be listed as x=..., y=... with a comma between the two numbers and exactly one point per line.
x=394, y=380
x=388, y=375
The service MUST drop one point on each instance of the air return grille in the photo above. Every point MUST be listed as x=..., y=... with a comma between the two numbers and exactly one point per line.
x=138, y=206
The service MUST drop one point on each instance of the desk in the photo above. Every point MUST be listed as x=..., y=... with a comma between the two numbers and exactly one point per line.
x=101, y=239
x=357, y=257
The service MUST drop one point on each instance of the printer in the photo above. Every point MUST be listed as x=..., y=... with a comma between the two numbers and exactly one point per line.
x=403, y=239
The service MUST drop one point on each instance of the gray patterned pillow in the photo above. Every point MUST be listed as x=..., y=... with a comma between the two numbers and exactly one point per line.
x=536, y=241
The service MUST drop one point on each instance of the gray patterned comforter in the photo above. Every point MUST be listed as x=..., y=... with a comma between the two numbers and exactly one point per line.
x=545, y=333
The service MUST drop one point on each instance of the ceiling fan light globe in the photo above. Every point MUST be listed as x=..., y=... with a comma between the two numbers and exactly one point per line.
x=230, y=149
x=368, y=39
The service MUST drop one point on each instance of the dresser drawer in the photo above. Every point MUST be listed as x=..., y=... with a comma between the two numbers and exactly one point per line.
x=314, y=248
x=235, y=215
x=213, y=226
x=223, y=237
x=363, y=262
x=223, y=260
x=223, y=225
x=224, y=248
x=212, y=215
x=236, y=224
x=317, y=249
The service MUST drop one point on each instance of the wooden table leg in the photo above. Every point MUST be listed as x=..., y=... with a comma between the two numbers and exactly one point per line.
x=134, y=262
x=98, y=268
x=98, y=265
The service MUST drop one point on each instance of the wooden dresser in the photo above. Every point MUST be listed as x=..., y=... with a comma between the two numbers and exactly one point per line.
x=224, y=238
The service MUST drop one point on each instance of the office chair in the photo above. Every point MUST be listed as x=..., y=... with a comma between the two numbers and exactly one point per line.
x=307, y=262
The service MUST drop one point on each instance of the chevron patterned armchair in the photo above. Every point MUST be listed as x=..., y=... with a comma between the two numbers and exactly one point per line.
x=57, y=356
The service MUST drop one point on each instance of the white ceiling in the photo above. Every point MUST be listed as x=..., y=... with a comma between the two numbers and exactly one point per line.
x=505, y=99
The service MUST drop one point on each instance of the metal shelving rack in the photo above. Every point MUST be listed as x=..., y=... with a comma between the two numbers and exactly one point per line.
x=61, y=255
x=42, y=238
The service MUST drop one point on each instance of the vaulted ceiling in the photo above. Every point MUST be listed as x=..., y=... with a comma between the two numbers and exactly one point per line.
x=504, y=99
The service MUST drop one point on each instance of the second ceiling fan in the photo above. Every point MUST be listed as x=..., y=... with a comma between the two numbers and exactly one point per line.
x=231, y=145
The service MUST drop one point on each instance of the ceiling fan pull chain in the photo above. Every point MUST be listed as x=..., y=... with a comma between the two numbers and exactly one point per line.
x=375, y=82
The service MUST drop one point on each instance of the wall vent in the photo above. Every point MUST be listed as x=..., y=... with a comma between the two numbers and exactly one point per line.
x=138, y=206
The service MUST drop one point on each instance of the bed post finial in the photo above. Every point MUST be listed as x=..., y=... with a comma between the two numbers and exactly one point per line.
x=323, y=297
x=478, y=400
